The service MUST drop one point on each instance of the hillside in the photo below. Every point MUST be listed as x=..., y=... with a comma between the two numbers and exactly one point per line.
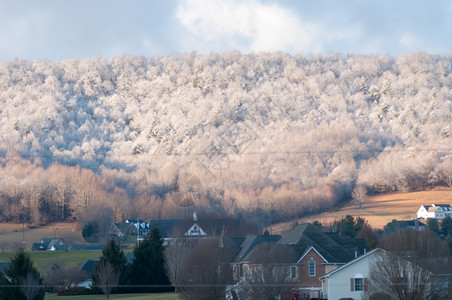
x=381, y=209
x=256, y=134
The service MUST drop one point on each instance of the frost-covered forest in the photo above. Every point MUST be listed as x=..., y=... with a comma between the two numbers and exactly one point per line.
x=270, y=135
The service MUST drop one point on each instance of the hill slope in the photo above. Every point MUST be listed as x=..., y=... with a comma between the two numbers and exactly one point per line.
x=382, y=209
x=259, y=132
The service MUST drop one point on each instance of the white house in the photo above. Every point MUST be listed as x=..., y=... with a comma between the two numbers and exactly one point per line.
x=350, y=280
x=434, y=211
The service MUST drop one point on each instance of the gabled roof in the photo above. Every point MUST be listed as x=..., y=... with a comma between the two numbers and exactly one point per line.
x=175, y=228
x=350, y=263
x=330, y=246
x=89, y=266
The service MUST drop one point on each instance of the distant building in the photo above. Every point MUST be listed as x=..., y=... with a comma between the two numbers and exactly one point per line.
x=176, y=229
x=434, y=211
x=49, y=244
x=87, y=247
x=396, y=225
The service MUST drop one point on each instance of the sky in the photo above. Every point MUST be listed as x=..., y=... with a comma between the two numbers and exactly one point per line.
x=59, y=29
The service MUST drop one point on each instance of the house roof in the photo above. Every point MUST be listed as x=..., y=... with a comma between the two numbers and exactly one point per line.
x=441, y=205
x=4, y=266
x=251, y=241
x=89, y=266
x=290, y=248
x=92, y=247
x=213, y=226
x=274, y=253
x=410, y=223
x=130, y=258
x=329, y=245
x=38, y=247
x=350, y=263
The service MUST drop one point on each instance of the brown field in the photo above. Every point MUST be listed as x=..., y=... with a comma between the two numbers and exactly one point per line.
x=11, y=235
x=380, y=209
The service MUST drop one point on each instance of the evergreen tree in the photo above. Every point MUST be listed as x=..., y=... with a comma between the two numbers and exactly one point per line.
x=446, y=226
x=21, y=280
x=114, y=257
x=433, y=225
x=148, y=268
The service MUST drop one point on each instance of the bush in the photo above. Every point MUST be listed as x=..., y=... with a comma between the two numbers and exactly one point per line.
x=75, y=291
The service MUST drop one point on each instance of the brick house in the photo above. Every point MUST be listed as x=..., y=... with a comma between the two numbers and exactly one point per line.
x=304, y=254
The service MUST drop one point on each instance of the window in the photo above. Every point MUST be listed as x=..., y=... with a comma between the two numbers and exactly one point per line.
x=293, y=272
x=312, y=267
x=359, y=284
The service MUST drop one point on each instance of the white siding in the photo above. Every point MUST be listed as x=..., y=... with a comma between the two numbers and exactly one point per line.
x=337, y=286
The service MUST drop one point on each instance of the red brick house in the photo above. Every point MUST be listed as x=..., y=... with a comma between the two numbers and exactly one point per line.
x=299, y=257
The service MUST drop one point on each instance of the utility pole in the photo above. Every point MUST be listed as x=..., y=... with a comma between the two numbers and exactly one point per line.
x=23, y=234
x=138, y=236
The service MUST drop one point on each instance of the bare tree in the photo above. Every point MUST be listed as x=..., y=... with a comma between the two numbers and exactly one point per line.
x=359, y=194
x=206, y=273
x=268, y=281
x=398, y=278
x=63, y=278
x=31, y=286
x=176, y=258
x=108, y=278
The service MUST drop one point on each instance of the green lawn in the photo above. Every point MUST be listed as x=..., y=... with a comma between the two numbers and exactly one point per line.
x=43, y=260
x=163, y=296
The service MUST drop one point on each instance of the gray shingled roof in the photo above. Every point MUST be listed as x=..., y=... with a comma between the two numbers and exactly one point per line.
x=4, y=266
x=89, y=266
x=92, y=247
x=251, y=241
x=292, y=246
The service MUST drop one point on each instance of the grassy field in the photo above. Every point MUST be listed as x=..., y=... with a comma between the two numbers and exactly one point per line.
x=11, y=235
x=380, y=209
x=163, y=296
x=43, y=260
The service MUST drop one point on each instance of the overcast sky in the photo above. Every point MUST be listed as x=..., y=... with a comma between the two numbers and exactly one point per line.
x=59, y=29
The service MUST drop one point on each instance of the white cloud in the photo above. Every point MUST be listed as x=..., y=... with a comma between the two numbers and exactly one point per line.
x=246, y=26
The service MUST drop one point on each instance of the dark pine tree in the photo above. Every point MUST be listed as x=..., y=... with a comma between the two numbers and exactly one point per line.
x=113, y=255
x=148, y=268
x=21, y=280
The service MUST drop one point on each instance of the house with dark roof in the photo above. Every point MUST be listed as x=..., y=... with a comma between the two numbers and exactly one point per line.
x=50, y=244
x=305, y=253
x=396, y=225
x=87, y=247
x=195, y=228
x=4, y=266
